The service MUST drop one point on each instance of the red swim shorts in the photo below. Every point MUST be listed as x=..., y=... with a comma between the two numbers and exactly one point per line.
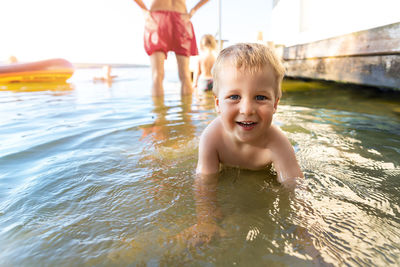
x=169, y=31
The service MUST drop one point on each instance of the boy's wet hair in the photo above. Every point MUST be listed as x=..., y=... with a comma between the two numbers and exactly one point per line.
x=207, y=40
x=249, y=57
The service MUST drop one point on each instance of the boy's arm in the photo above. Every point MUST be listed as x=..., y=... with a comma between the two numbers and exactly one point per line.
x=207, y=175
x=205, y=193
x=208, y=213
x=196, y=7
x=208, y=161
x=285, y=161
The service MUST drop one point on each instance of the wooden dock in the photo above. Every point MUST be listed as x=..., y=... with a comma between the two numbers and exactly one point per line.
x=370, y=57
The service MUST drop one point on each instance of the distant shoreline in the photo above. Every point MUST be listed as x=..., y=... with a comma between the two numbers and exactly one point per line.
x=94, y=65
x=113, y=65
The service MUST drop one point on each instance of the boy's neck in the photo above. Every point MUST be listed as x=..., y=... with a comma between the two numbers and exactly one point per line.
x=261, y=142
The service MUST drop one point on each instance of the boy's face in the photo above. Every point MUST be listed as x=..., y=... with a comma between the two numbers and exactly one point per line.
x=246, y=103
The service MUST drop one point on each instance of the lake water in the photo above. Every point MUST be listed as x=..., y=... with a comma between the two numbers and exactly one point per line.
x=101, y=175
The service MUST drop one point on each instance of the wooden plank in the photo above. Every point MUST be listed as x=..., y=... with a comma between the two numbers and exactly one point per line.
x=383, y=40
x=379, y=71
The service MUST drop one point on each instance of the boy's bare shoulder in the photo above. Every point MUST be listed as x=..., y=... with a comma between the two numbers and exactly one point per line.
x=211, y=137
x=208, y=161
x=279, y=140
x=282, y=150
x=277, y=131
x=283, y=157
x=213, y=130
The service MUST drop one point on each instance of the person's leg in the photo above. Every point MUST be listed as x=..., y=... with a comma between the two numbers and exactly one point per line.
x=157, y=69
x=184, y=74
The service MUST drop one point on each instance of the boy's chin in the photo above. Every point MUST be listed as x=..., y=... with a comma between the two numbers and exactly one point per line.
x=245, y=138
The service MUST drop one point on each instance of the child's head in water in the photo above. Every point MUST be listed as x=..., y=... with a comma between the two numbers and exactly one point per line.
x=208, y=42
x=249, y=58
x=247, y=81
x=247, y=88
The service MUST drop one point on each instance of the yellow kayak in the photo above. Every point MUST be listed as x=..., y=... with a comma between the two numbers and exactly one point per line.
x=51, y=70
x=36, y=87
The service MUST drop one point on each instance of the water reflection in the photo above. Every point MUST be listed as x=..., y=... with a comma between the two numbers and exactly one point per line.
x=157, y=131
x=267, y=215
x=58, y=88
x=106, y=76
x=162, y=199
x=349, y=164
x=333, y=96
x=251, y=213
x=172, y=121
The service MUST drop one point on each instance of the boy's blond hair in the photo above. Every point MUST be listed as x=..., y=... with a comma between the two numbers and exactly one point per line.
x=249, y=57
x=208, y=41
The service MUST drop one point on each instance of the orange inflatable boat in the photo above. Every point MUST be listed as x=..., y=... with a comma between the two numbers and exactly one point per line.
x=51, y=70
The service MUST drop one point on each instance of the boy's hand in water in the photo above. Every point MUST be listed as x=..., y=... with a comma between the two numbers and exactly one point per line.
x=208, y=213
x=200, y=233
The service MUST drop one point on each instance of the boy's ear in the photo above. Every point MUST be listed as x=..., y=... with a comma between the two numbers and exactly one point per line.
x=216, y=101
x=276, y=104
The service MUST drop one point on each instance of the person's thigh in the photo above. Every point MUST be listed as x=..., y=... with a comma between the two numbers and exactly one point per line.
x=157, y=69
x=157, y=63
x=184, y=74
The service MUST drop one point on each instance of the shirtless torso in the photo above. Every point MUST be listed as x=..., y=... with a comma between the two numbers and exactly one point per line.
x=206, y=62
x=169, y=5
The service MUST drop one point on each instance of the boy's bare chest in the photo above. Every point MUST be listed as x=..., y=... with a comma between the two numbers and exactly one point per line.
x=248, y=158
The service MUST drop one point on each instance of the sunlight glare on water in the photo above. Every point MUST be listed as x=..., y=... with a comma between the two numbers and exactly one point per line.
x=97, y=174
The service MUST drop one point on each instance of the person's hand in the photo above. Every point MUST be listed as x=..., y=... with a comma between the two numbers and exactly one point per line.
x=200, y=233
x=185, y=16
x=146, y=13
x=148, y=19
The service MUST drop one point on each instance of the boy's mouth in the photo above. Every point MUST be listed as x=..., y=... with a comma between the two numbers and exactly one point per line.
x=247, y=125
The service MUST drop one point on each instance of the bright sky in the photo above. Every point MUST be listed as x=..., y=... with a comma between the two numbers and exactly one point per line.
x=320, y=19
x=109, y=31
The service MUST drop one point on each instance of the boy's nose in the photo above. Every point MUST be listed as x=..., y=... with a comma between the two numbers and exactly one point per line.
x=246, y=107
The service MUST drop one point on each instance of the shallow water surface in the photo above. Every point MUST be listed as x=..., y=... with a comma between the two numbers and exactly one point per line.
x=97, y=174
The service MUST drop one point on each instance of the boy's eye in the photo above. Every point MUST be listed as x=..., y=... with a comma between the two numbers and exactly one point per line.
x=234, y=97
x=261, y=97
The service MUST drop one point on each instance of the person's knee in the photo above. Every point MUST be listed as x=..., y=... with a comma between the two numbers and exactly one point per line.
x=158, y=75
x=184, y=75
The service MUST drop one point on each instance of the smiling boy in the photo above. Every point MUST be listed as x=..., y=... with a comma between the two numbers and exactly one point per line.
x=247, y=81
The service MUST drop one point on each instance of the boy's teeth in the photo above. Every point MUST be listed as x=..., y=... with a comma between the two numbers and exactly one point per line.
x=246, y=123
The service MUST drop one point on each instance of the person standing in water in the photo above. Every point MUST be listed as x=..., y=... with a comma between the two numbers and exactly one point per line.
x=203, y=79
x=168, y=28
